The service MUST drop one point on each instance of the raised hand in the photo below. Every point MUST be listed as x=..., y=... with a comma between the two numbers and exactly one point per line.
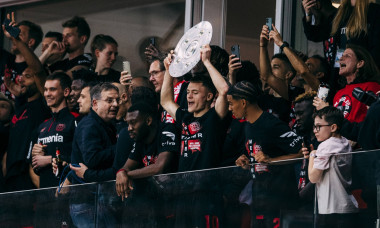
x=275, y=36
x=264, y=36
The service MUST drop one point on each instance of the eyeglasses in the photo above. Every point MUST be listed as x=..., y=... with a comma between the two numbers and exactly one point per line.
x=154, y=73
x=318, y=127
x=111, y=101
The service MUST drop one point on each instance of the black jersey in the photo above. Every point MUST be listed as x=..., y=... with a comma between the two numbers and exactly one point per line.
x=56, y=133
x=27, y=118
x=201, y=140
x=274, y=186
x=66, y=64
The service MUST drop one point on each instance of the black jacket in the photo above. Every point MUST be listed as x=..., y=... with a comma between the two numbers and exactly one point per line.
x=94, y=144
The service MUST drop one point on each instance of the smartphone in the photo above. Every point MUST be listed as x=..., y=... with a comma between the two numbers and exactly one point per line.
x=268, y=22
x=153, y=41
x=235, y=50
x=127, y=66
x=13, y=31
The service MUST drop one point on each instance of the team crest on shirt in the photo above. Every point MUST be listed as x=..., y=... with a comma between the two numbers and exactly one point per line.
x=60, y=127
x=194, y=127
x=344, y=104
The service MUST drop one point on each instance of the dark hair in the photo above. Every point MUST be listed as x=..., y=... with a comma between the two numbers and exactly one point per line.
x=64, y=79
x=307, y=96
x=219, y=59
x=160, y=60
x=369, y=72
x=100, y=41
x=85, y=75
x=35, y=32
x=206, y=82
x=324, y=67
x=248, y=72
x=89, y=84
x=332, y=115
x=245, y=90
x=56, y=35
x=285, y=59
x=145, y=82
x=81, y=24
x=96, y=91
x=144, y=94
x=144, y=109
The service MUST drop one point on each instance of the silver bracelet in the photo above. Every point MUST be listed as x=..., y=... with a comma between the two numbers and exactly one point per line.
x=313, y=155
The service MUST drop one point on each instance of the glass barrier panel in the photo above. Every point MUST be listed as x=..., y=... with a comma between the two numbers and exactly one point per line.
x=346, y=193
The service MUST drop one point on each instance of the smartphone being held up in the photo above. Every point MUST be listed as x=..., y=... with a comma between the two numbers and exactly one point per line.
x=12, y=30
x=153, y=41
x=268, y=22
x=235, y=50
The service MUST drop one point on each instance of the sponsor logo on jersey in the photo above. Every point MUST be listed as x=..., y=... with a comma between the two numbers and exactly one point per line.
x=22, y=117
x=50, y=139
x=288, y=134
x=169, y=135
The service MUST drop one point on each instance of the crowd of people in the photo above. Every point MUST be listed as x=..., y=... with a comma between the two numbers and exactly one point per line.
x=67, y=105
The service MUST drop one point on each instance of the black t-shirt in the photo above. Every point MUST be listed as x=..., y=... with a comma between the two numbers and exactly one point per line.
x=201, y=140
x=66, y=64
x=57, y=132
x=233, y=145
x=112, y=76
x=26, y=119
x=274, y=186
x=147, y=154
x=124, y=146
x=277, y=106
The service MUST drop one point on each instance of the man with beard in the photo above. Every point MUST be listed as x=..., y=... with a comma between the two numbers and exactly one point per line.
x=31, y=35
x=303, y=108
x=150, y=155
x=29, y=114
x=76, y=33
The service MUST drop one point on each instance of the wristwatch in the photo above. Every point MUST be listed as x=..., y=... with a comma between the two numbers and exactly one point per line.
x=313, y=155
x=284, y=44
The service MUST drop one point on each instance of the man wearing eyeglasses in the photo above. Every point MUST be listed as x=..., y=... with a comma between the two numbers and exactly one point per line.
x=94, y=147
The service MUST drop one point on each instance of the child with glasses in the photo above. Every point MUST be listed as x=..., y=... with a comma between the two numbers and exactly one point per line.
x=331, y=172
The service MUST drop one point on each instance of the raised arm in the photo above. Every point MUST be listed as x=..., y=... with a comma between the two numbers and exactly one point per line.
x=167, y=91
x=296, y=61
x=221, y=104
x=277, y=84
x=31, y=59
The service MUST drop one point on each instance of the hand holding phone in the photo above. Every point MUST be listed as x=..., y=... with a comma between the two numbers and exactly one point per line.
x=11, y=29
x=235, y=50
